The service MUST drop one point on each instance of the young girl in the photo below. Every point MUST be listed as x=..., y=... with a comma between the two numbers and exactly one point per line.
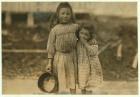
x=89, y=67
x=61, y=48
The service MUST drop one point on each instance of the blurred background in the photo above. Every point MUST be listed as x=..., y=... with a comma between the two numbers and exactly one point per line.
x=25, y=30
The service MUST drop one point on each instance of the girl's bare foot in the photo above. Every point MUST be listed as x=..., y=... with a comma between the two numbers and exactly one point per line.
x=88, y=92
x=73, y=91
x=83, y=91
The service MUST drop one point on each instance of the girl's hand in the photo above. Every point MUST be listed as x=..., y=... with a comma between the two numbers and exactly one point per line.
x=83, y=40
x=48, y=68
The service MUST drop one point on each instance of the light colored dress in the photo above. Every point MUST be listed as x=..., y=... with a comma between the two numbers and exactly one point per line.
x=89, y=67
x=62, y=48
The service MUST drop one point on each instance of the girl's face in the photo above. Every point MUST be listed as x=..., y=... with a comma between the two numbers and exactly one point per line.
x=64, y=15
x=85, y=35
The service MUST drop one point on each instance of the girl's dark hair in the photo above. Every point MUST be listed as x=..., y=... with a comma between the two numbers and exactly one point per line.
x=55, y=18
x=90, y=28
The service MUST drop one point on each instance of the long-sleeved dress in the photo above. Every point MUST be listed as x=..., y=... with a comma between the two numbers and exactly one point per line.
x=89, y=67
x=61, y=47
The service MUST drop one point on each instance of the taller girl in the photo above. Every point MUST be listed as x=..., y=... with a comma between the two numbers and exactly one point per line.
x=61, y=48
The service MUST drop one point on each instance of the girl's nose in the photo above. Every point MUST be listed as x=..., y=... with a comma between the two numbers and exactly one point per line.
x=65, y=15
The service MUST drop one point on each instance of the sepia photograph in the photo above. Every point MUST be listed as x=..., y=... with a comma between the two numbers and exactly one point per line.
x=86, y=48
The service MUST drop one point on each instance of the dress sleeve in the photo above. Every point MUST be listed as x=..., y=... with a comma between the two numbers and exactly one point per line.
x=92, y=49
x=51, y=44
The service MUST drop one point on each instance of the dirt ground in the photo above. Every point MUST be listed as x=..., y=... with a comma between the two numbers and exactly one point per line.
x=29, y=86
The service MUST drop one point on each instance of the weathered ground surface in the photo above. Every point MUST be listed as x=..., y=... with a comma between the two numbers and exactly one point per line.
x=29, y=86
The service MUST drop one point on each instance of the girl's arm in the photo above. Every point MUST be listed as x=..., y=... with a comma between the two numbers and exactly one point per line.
x=92, y=47
x=50, y=49
x=49, y=66
x=51, y=44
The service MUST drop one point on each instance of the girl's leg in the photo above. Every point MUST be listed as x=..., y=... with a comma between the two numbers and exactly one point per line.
x=73, y=91
x=88, y=92
x=83, y=91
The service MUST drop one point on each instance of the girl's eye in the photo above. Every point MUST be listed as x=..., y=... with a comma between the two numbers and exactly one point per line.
x=63, y=13
x=68, y=13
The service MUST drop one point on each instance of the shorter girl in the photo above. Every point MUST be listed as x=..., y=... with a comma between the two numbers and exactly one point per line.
x=89, y=67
